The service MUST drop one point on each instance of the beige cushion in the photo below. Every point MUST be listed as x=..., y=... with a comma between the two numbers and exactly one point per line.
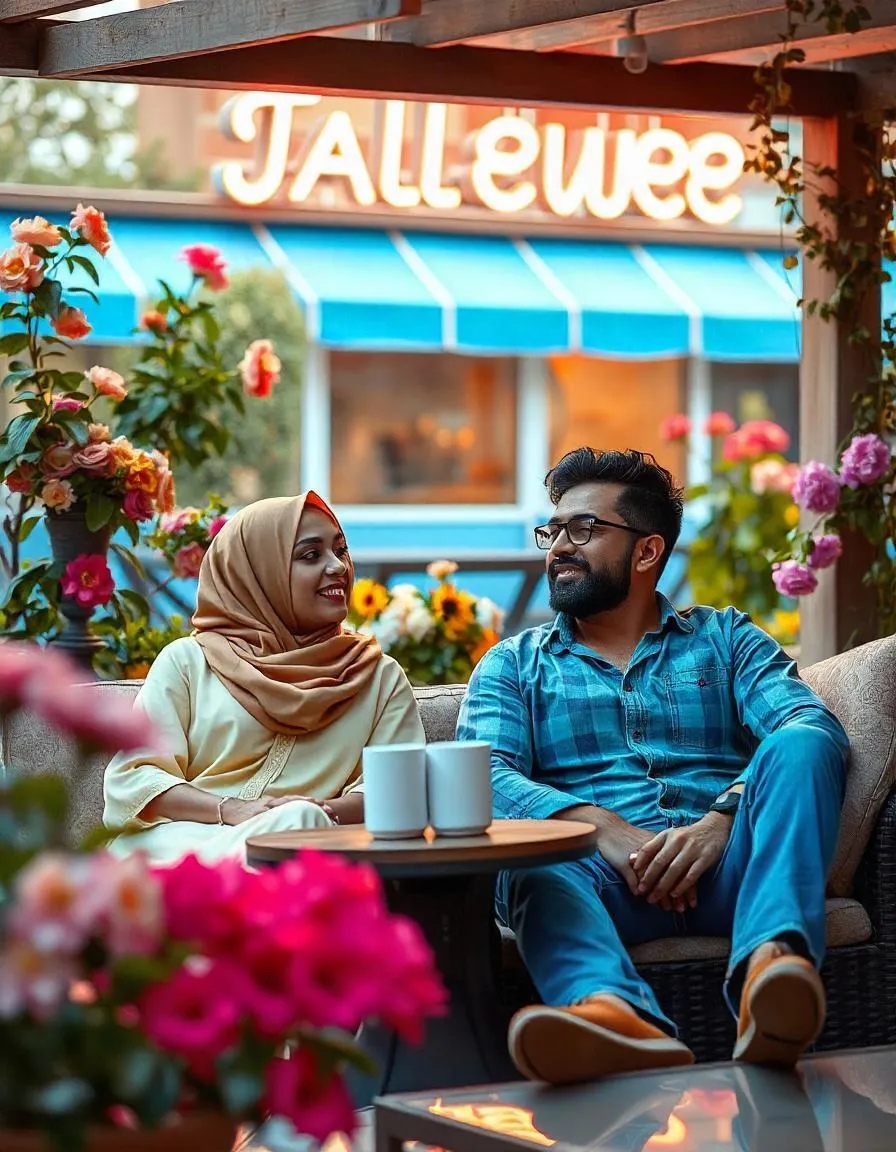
x=860, y=689
x=847, y=923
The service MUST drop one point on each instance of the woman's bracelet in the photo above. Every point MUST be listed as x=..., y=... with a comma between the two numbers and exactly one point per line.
x=221, y=804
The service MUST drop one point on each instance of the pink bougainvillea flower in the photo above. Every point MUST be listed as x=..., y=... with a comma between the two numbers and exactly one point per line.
x=826, y=550
x=35, y=230
x=91, y=224
x=88, y=580
x=107, y=383
x=216, y=525
x=718, y=424
x=58, y=495
x=315, y=1105
x=675, y=427
x=867, y=460
x=21, y=269
x=67, y=404
x=260, y=368
x=154, y=321
x=138, y=505
x=71, y=323
x=188, y=560
x=206, y=262
x=816, y=488
x=794, y=579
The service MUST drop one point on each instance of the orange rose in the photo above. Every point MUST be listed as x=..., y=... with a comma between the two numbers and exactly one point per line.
x=125, y=452
x=153, y=321
x=142, y=475
x=91, y=224
x=259, y=368
x=107, y=382
x=58, y=494
x=71, y=323
x=35, y=231
x=165, y=493
x=21, y=269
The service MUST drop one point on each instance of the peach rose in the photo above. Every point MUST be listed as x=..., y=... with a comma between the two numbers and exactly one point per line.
x=21, y=478
x=98, y=433
x=91, y=224
x=259, y=368
x=71, y=323
x=107, y=382
x=165, y=493
x=36, y=230
x=441, y=569
x=97, y=458
x=21, y=269
x=154, y=321
x=58, y=461
x=58, y=494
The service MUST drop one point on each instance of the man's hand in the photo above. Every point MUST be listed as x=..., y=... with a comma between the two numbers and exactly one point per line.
x=669, y=865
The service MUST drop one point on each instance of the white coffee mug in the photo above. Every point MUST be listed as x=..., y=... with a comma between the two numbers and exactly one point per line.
x=459, y=784
x=395, y=791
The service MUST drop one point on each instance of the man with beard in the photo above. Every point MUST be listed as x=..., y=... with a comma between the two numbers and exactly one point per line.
x=712, y=773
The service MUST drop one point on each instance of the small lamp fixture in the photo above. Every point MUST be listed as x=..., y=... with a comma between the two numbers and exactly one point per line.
x=632, y=47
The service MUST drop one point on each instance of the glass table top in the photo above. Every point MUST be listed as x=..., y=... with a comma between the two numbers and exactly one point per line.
x=843, y=1102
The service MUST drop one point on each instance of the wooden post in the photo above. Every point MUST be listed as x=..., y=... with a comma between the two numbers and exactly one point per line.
x=841, y=613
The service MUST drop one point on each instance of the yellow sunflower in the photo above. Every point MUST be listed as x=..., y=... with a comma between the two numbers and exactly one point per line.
x=369, y=599
x=455, y=608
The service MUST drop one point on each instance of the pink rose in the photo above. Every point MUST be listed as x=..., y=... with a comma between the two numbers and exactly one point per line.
x=36, y=230
x=54, y=907
x=317, y=1105
x=675, y=427
x=207, y=263
x=132, y=903
x=794, y=579
x=96, y=457
x=32, y=980
x=188, y=560
x=91, y=224
x=175, y=521
x=816, y=488
x=259, y=368
x=216, y=525
x=718, y=424
x=866, y=460
x=826, y=550
x=138, y=505
x=58, y=461
x=88, y=581
x=71, y=323
x=21, y=269
x=67, y=404
x=107, y=382
x=58, y=495
x=21, y=479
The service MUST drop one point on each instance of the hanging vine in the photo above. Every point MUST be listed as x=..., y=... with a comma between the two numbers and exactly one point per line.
x=852, y=238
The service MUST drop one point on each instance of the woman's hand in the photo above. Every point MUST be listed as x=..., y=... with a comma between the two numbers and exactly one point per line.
x=236, y=811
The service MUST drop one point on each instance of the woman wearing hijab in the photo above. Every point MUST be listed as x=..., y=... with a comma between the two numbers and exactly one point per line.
x=264, y=711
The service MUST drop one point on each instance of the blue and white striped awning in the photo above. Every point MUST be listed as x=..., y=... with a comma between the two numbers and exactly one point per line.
x=403, y=290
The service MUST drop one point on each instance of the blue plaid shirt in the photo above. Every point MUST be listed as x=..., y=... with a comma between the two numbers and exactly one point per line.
x=655, y=744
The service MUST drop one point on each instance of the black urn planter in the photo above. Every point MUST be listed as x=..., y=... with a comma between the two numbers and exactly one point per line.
x=69, y=538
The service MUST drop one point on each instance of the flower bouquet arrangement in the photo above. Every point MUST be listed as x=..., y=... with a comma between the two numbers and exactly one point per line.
x=748, y=511
x=857, y=495
x=437, y=636
x=190, y=998
x=184, y=534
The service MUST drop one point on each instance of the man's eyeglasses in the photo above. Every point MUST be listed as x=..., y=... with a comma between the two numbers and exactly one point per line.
x=578, y=530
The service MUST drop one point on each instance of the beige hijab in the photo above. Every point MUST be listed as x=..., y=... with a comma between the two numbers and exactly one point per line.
x=245, y=622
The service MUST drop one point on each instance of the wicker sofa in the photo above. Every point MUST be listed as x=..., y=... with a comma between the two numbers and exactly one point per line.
x=860, y=969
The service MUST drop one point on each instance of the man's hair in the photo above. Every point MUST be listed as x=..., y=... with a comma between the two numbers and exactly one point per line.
x=650, y=500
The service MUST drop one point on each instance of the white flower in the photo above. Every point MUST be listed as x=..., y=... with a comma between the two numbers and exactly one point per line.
x=387, y=629
x=404, y=594
x=489, y=615
x=419, y=623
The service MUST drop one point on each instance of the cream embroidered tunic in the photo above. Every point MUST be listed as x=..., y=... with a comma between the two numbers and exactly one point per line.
x=212, y=742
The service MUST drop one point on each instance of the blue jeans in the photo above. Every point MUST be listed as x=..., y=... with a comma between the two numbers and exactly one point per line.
x=573, y=922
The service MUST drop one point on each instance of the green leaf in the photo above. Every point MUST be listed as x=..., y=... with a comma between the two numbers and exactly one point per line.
x=28, y=525
x=18, y=433
x=100, y=510
x=48, y=298
x=87, y=265
x=84, y=292
x=13, y=343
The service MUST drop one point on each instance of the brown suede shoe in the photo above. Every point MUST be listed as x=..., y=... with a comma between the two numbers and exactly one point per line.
x=782, y=1009
x=587, y=1041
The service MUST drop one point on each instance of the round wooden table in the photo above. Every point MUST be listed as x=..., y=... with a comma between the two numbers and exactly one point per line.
x=446, y=884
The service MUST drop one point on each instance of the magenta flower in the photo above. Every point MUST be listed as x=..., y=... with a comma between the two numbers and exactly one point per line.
x=675, y=427
x=316, y=1102
x=66, y=404
x=138, y=505
x=216, y=525
x=817, y=488
x=88, y=580
x=794, y=579
x=826, y=551
x=866, y=460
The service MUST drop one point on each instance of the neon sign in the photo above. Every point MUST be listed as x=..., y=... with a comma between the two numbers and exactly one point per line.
x=509, y=164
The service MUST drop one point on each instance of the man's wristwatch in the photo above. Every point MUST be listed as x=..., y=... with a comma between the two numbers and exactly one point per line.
x=727, y=803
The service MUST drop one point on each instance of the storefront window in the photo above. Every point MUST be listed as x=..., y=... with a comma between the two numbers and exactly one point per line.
x=422, y=429
x=760, y=392
x=612, y=404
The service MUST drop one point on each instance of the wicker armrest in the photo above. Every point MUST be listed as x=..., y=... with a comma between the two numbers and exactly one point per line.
x=876, y=876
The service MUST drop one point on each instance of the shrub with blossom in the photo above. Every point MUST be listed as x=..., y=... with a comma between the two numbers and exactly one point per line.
x=130, y=994
x=183, y=535
x=439, y=635
x=746, y=512
x=857, y=495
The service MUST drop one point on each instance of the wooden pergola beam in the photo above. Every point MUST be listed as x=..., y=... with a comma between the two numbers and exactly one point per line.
x=19, y=46
x=187, y=28
x=14, y=11
x=554, y=25
x=337, y=67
